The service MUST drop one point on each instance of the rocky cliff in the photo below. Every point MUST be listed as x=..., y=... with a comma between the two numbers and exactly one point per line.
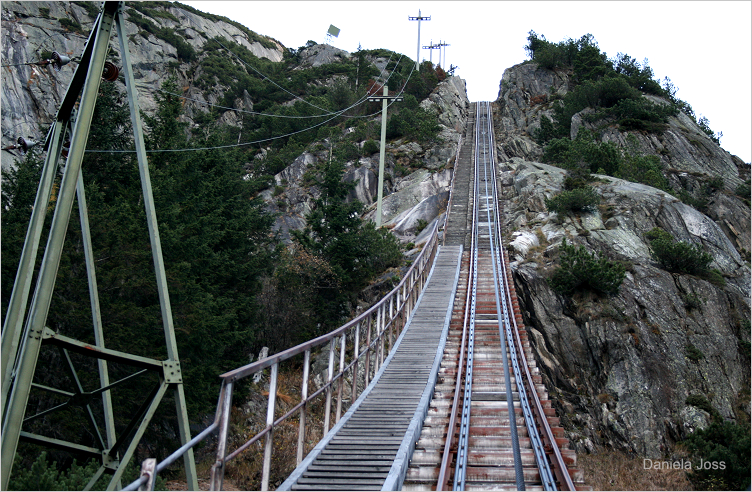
x=621, y=368
x=417, y=197
x=32, y=30
x=31, y=95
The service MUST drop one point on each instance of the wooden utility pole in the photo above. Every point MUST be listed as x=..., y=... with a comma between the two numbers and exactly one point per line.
x=384, y=103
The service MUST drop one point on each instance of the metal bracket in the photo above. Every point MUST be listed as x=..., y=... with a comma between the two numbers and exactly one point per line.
x=172, y=372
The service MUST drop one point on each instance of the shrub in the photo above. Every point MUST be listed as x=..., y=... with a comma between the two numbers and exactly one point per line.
x=692, y=301
x=721, y=442
x=419, y=124
x=71, y=25
x=584, y=151
x=714, y=184
x=370, y=147
x=581, y=269
x=347, y=151
x=645, y=169
x=744, y=190
x=575, y=200
x=42, y=475
x=702, y=403
x=700, y=203
x=422, y=223
x=577, y=178
x=680, y=257
x=693, y=353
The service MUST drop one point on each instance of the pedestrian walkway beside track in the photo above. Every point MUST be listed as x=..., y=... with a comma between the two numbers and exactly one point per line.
x=370, y=447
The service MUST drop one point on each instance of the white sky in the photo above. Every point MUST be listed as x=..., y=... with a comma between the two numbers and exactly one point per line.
x=704, y=47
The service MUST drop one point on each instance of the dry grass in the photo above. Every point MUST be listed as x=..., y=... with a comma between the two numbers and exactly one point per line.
x=614, y=470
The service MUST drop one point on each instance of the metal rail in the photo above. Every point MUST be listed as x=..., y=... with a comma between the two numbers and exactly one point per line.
x=539, y=431
x=380, y=325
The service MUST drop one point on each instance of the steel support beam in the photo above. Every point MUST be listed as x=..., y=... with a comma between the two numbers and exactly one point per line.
x=156, y=246
x=23, y=336
x=31, y=343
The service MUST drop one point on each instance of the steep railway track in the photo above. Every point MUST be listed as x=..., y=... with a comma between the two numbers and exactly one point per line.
x=490, y=425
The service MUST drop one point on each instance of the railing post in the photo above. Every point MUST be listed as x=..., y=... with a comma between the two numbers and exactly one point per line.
x=218, y=469
x=356, y=353
x=381, y=345
x=377, y=333
x=342, y=345
x=330, y=374
x=367, y=371
x=303, y=397
x=269, y=422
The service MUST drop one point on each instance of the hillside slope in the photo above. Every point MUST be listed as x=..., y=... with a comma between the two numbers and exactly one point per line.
x=628, y=370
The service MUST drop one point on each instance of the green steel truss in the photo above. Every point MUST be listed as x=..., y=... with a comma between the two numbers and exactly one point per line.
x=25, y=333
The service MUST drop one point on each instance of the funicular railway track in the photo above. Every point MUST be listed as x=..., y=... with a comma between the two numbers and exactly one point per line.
x=488, y=377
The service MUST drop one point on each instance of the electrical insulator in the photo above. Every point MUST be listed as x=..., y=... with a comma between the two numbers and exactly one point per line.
x=66, y=148
x=58, y=60
x=24, y=145
x=110, y=72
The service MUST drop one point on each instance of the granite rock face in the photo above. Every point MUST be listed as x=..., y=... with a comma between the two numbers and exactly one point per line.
x=620, y=368
x=32, y=94
x=410, y=200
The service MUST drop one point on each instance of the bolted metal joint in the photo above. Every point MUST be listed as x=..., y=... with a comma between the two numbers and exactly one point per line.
x=172, y=373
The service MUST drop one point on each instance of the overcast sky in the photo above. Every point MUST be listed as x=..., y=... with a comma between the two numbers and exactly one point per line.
x=704, y=47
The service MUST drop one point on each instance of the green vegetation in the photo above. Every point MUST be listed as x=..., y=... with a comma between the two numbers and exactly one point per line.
x=71, y=25
x=702, y=403
x=579, y=269
x=241, y=74
x=91, y=8
x=612, y=87
x=370, y=147
x=613, y=90
x=252, y=36
x=678, y=256
x=744, y=190
x=184, y=50
x=576, y=200
x=221, y=257
x=233, y=287
x=43, y=475
x=693, y=353
x=586, y=153
x=412, y=121
x=721, y=442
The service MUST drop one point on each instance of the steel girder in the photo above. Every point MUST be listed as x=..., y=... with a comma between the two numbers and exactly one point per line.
x=23, y=335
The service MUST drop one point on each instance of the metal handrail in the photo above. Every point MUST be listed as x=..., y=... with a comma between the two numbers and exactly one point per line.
x=388, y=317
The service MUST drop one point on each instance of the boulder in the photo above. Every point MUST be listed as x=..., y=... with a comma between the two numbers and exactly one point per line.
x=321, y=54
